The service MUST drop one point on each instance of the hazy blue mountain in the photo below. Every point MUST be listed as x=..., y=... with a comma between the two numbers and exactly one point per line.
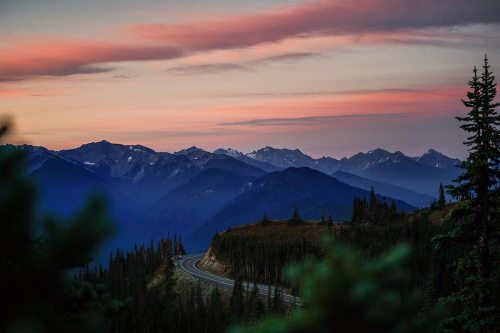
x=248, y=160
x=398, y=169
x=361, y=162
x=436, y=159
x=196, y=192
x=137, y=182
x=413, y=198
x=196, y=155
x=112, y=160
x=138, y=171
x=277, y=194
x=64, y=183
x=419, y=174
x=286, y=158
x=227, y=162
x=223, y=162
x=195, y=201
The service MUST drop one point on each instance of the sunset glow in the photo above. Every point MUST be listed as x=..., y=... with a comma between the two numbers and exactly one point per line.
x=331, y=77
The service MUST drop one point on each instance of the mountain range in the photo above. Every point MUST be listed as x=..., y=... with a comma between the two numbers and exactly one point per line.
x=195, y=193
x=420, y=174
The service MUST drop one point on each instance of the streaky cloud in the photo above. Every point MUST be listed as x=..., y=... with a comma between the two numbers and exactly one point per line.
x=311, y=120
x=55, y=57
x=249, y=66
x=78, y=70
x=208, y=69
x=323, y=17
x=175, y=134
x=329, y=92
x=286, y=57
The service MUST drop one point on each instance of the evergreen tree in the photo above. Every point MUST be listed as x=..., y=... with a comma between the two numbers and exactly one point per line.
x=296, y=216
x=36, y=292
x=200, y=305
x=215, y=312
x=373, y=210
x=329, y=221
x=255, y=306
x=265, y=219
x=356, y=210
x=377, y=212
x=269, y=299
x=394, y=209
x=237, y=300
x=364, y=210
x=477, y=272
x=277, y=301
x=442, y=198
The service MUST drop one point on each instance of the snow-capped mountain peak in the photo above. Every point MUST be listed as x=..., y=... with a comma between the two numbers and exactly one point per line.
x=436, y=159
x=228, y=152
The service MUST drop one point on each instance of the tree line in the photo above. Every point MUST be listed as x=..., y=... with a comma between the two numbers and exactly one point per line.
x=374, y=210
x=261, y=259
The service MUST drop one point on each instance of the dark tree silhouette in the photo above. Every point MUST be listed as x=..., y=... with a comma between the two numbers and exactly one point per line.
x=442, y=197
x=37, y=293
x=295, y=219
x=477, y=289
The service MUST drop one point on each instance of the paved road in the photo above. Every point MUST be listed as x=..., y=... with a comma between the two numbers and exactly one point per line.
x=189, y=265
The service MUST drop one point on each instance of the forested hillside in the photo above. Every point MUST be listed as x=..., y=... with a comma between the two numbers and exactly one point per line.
x=261, y=251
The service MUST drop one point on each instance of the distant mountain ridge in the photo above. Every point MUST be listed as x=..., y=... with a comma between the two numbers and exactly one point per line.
x=421, y=174
x=193, y=191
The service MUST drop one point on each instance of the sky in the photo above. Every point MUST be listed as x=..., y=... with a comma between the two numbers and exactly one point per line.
x=330, y=77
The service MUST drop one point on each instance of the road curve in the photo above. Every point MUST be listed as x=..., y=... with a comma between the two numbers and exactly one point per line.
x=189, y=264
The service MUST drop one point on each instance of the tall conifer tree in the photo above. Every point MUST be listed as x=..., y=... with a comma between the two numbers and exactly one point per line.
x=442, y=198
x=477, y=272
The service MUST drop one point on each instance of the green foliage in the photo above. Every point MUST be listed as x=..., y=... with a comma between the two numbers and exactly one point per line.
x=37, y=294
x=346, y=293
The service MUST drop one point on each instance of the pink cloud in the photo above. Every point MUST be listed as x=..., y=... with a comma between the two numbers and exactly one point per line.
x=367, y=21
x=319, y=18
x=54, y=57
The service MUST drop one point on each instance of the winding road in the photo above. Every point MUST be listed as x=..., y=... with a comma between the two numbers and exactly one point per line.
x=189, y=265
